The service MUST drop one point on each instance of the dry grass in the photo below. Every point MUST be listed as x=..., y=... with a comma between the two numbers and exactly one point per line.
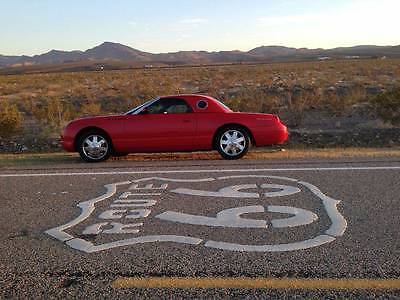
x=48, y=101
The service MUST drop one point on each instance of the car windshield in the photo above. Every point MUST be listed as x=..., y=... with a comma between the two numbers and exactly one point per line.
x=138, y=108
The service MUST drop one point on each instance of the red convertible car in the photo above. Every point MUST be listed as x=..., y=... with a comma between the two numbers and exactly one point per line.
x=173, y=123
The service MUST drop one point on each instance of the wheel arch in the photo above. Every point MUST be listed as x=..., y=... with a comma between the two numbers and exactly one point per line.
x=229, y=125
x=87, y=129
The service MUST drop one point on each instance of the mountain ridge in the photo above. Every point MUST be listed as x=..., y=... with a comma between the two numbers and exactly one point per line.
x=110, y=51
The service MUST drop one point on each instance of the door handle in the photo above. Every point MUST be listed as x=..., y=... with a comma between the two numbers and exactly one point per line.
x=186, y=121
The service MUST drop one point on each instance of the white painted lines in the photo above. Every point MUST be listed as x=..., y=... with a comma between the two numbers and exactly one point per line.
x=226, y=192
x=228, y=217
x=231, y=217
x=233, y=191
x=198, y=171
x=87, y=208
x=300, y=216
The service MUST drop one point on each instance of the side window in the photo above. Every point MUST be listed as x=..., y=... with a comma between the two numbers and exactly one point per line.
x=155, y=108
x=169, y=106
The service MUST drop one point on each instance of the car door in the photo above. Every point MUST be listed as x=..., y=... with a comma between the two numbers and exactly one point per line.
x=169, y=124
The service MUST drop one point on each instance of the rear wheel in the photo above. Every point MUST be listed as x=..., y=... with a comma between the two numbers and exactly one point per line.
x=233, y=142
x=94, y=146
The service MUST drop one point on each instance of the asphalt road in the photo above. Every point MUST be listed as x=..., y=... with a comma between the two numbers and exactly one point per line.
x=72, y=230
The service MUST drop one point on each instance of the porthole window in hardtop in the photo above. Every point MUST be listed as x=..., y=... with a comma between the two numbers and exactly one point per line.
x=202, y=104
x=169, y=106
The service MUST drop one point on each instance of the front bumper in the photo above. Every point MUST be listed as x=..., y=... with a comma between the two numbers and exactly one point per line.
x=67, y=144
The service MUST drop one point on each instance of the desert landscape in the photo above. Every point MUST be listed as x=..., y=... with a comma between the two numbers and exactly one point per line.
x=335, y=102
x=294, y=194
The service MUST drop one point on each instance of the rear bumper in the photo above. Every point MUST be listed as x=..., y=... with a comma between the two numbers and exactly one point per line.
x=277, y=134
x=282, y=134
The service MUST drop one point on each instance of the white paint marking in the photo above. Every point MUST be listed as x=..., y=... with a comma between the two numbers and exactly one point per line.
x=301, y=216
x=164, y=186
x=119, y=213
x=233, y=191
x=226, y=192
x=88, y=247
x=339, y=224
x=129, y=194
x=134, y=203
x=138, y=213
x=148, y=187
x=337, y=227
x=231, y=217
x=198, y=171
x=225, y=218
x=132, y=200
x=258, y=176
x=285, y=190
x=112, y=214
x=94, y=228
x=145, y=194
x=119, y=228
x=87, y=207
x=314, y=242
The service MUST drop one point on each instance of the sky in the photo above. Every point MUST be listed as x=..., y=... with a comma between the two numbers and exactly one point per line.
x=36, y=26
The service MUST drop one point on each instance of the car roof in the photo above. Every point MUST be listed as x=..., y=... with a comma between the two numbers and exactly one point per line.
x=213, y=105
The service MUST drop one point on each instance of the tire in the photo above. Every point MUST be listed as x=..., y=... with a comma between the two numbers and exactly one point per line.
x=232, y=142
x=97, y=152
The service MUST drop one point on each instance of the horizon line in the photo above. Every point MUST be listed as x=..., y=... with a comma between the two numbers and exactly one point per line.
x=209, y=51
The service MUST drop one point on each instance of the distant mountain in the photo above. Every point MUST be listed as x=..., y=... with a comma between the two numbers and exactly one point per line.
x=8, y=60
x=115, y=51
x=109, y=52
x=365, y=50
x=185, y=57
x=57, y=56
x=272, y=51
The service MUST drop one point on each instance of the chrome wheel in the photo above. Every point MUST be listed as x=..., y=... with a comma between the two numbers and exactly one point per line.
x=95, y=147
x=232, y=142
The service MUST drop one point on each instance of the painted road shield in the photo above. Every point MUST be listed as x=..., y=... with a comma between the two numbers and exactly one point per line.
x=249, y=213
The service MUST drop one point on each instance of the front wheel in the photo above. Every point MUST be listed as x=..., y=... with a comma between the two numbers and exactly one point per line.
x=94, y=146
x=233, y=142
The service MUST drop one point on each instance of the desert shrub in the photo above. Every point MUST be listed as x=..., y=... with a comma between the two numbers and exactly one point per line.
x=27, y=105
x=54, y=113
x=387, y=106
x=10, y=119
x=252, y=99
x=339, y=103
x=49, y=100
x=298, y=101
x=90, y=108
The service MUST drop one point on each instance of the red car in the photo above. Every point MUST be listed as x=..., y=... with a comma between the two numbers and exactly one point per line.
x=173, y=123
